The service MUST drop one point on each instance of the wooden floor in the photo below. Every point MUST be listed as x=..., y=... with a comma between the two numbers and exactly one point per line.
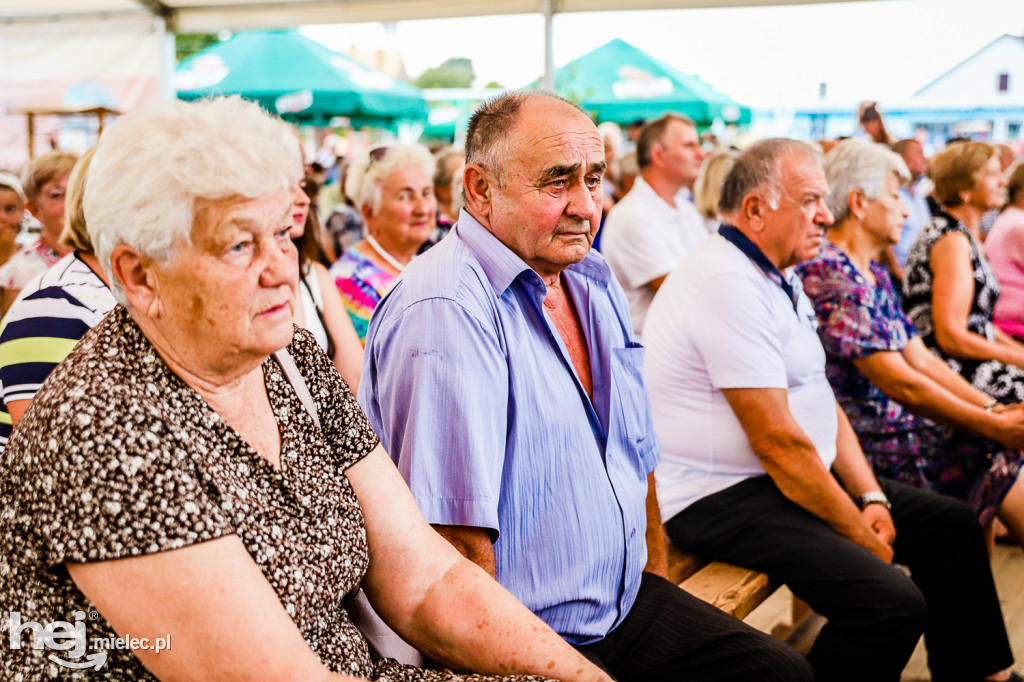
x=1008, y=568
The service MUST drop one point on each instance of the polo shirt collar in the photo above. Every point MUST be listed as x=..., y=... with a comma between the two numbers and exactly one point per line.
x=502, y=266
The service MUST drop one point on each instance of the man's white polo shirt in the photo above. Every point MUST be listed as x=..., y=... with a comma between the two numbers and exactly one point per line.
x=644, y=237
x=719, y=322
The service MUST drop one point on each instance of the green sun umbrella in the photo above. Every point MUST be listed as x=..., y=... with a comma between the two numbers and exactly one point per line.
x=298, y=78
x=620, y=83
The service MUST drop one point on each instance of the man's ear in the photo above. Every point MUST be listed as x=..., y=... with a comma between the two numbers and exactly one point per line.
x=754, y=211
x=137, y=277
x=858, y=202
x=657, y=153
x=479, y=188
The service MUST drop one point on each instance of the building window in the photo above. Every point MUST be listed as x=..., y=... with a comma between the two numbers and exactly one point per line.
x=1004, y=82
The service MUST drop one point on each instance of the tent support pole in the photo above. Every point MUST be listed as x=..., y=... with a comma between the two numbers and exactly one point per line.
x=547, y=7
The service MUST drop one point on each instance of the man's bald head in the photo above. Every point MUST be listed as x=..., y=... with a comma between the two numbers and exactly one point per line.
x=489, y=133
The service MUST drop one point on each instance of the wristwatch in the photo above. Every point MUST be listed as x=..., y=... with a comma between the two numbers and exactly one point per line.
x=873, y=497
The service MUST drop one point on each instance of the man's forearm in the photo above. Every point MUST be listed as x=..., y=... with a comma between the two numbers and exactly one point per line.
x=657, y=552
x=473, y=543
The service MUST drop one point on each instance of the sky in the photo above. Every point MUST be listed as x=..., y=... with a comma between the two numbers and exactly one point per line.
x=761, y=56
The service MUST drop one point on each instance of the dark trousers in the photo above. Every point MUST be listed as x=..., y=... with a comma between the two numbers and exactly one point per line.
x=875, y=612
x=670, y=635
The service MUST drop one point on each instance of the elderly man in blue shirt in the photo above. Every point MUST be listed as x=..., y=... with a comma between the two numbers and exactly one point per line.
x=502, y=376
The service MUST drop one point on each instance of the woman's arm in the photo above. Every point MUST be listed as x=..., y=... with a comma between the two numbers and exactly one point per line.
x=1007, y=340
x=348, y=349
x=918, y=392
x=226, y=621
x=7, y=297
x=928, y=363
x=439, y=601
x=952, y=292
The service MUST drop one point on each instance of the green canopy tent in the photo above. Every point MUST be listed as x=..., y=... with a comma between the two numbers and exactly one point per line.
x=620, y=83
x=299, y=79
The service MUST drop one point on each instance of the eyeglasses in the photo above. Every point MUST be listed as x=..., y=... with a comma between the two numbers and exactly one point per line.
x=378, y=154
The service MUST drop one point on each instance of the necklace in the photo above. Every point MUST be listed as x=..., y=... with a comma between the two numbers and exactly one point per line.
x=388, y=258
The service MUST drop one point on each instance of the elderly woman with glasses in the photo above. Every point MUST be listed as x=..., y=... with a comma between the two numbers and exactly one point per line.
x=917, y=420
x=950, y=291
x=393, y=188
x=197, y=473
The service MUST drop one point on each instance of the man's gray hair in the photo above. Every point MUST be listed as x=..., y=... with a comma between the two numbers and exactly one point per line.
x=859, y=164
x=758, y=170
x=488, y=132
x=151, y=166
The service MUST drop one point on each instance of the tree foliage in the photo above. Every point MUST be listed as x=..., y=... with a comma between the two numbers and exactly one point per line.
x=454, y=73
x=187, y=44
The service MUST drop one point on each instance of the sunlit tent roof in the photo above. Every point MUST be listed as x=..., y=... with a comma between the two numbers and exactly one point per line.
x=213, y=15
x=621, y=83
x=298, y=78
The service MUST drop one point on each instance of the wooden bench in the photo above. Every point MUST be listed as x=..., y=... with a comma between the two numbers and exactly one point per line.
x=735, y=590
x=738, y=591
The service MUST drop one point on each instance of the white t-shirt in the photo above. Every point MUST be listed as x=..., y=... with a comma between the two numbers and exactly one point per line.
x=644, y=238
x=719, y=322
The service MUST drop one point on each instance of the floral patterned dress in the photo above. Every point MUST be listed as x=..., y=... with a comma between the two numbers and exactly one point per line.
x=857, y=320
x=118, y=457
x=1005, y=383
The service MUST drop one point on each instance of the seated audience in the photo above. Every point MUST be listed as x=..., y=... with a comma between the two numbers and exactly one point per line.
x=175, y=477
x=1006, y=159
x=394, y=189
x=760, y=467
x=708, y=187
x=532, y=454
x=890, y=386
x=45, y=182
x=629, y=169
x=1005, y=251
x=655, y=225
x=343, y=227
x=54, y=310
x=449, y=162
x=12, y=210
x=914, y=193
x=321, y=311
x=949, y=288
x=870, y=119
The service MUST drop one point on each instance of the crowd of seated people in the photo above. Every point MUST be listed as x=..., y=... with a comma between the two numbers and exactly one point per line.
x=183, y=449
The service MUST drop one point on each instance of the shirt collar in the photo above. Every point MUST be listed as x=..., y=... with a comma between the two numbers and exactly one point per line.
x=756, y=255
x=502, y=266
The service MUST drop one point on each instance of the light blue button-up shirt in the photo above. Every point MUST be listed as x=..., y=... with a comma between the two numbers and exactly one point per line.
x=920, y=213
x=468, y=384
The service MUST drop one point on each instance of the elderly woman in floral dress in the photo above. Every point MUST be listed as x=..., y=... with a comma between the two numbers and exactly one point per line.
x=197, y=470
x=917, y=420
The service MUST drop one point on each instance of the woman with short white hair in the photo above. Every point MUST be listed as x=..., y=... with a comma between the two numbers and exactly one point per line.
x=917, y=420
x=197, y=473
x=393, y=188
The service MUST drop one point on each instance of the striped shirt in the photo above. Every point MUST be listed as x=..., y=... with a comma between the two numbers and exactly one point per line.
x=51, y=314
x=472, y=392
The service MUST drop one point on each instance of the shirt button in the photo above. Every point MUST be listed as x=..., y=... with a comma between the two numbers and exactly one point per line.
x=632, y=532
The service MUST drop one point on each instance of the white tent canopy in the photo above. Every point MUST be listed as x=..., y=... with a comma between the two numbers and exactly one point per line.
x=193, y=16
x=200, y=16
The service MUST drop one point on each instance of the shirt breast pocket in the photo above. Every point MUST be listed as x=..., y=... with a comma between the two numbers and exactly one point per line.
x=627, y=368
